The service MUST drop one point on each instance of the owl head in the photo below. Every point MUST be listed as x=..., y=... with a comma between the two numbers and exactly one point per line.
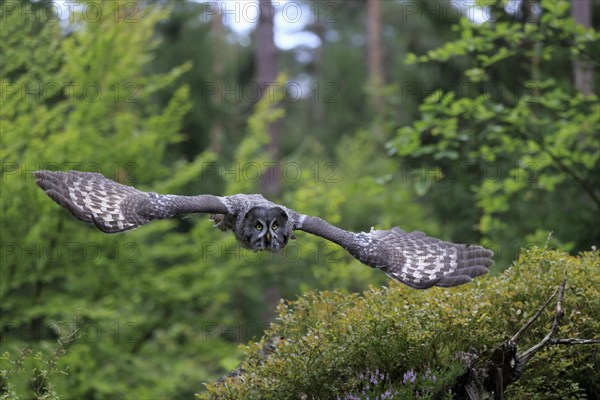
x=265, y=228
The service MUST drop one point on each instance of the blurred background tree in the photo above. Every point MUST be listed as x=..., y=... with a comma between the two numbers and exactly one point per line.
x=165, y=95
x=515, y=136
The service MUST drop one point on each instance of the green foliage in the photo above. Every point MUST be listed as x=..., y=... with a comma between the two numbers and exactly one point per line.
x=513, y=131
x=43, y=366
x=329, y=344
x=251, y=150
x=163, y=308
x=131, y=304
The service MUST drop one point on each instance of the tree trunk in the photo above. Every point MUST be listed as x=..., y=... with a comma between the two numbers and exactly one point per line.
x=375, y=54
x=266, y=64
x=583, y=71
x=216, y=131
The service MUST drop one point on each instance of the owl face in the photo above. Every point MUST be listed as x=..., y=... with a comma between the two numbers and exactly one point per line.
x=265, y=228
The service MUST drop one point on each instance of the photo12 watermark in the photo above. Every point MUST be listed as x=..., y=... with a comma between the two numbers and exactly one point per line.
x=488, y=91
x=468, y=171
x=69, y=252
x=71, y=11
x=307, y=252
x=79, y=332
x=289, y=92
x=70, y=92
x=236, y=332
x=285, y=12
x=126, y=172
x=319, y=172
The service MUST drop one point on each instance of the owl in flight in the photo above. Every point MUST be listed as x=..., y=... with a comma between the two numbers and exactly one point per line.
x=258, y=224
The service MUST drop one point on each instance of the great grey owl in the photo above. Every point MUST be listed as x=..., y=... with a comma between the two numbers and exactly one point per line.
x=258, y=224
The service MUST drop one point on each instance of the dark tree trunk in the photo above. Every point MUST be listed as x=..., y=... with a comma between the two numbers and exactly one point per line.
x=583, y=71
x=216, y=131
x=375, y=54
x=267, y=68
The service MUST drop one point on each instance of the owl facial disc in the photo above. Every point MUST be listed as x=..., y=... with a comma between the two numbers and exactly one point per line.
x=264, y=228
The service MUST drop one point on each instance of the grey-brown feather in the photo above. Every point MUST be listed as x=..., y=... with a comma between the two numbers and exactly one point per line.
x=412, y=258
x=114, y=207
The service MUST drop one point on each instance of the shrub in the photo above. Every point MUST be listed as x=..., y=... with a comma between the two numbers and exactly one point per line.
x=402, y=342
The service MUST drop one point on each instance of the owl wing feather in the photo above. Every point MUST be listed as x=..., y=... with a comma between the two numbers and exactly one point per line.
x=414, y=259
x=114, y=207
x=411, y=258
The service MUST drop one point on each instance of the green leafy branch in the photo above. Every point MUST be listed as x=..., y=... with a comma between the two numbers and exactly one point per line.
x=44, y=367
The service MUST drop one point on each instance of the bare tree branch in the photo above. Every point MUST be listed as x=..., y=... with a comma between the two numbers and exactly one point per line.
x=527, y=354
x=505, y=366
x=532, y=319
x=572, y=341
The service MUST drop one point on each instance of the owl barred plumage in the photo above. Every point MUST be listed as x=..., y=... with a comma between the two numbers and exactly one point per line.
x=114, y=207
x=411, y=258
x=427, y=261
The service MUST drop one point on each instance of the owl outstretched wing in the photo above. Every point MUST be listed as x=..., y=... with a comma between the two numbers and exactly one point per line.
x=411, y=258
x=114, y=207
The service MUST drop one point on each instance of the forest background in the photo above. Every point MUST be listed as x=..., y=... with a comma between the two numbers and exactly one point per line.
x=475, y=122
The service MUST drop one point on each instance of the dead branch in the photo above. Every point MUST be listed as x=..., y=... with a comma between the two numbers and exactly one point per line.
x=527, y=354
x=572, y=341
x=532, y=319
x=506, y=365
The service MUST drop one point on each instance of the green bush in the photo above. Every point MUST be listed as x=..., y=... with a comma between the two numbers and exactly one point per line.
x=405, y=342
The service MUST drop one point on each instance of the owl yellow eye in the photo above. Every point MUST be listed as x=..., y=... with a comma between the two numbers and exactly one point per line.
x=259, y=227
x=274, y=226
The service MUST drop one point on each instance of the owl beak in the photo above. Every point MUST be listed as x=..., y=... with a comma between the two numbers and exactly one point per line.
x=268, y=236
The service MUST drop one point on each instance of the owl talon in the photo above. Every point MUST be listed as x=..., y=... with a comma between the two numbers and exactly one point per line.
x=218, y=220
